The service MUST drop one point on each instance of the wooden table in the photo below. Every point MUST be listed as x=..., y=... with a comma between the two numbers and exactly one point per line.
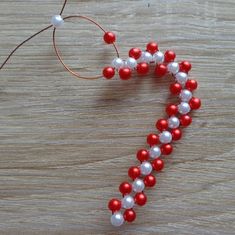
x=66, y=144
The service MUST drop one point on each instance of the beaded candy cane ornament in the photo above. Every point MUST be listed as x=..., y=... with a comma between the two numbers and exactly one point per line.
x=170, y=128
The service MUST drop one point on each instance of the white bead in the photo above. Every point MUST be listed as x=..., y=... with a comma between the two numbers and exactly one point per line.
x=184, y=108
x=181, y=78
x=138, y=185
x=146, y=57
x=186, y=95
x=128, y=202
x=165, y=137
x=117, y=219
x=146, y=168
x=158, y=57
x=131, y=63
x=173, y=122
x=173, y=67
x=57, y=21
x=155, y=152
x=118, y=63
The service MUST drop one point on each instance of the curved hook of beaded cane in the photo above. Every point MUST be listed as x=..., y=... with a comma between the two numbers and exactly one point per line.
x=57, y=21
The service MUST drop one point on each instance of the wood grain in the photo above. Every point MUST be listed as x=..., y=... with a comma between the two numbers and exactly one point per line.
x=66, y=144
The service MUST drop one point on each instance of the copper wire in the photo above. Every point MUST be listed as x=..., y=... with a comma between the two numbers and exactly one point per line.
x=22, y=43
x=60, y=57
x=55, y=46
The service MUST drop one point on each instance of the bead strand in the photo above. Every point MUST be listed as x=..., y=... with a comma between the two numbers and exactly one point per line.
x=169, y=128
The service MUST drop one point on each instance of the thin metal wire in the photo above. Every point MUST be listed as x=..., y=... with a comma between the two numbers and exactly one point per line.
x=22, y=43
x=29, y=38
x=60, y=57
x=55, y=46
x=62, y=10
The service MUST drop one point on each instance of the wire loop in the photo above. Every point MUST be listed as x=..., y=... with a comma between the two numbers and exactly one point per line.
x=59, y=56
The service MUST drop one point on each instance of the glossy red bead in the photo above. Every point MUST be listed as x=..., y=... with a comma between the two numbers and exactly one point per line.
x=134, y=172
x=142, y=68
x=160, y=70
x=171, y=110
x=108, y=72
x=185, y=120
x=191, y=85
x=195, y=103
x=142, y=155
x=135, y=53
x=149, y=181
x=114, y=205
x=162, y=124
x=169, y=56
x=125, y=73
x=109, y=37
x=152, y=47
x=125, y=188
x=158, y=164
x=140, y=199
x=129, y=215
x=166, y=149
x=185, y=66
x=152, y=139
x=176, y=134
x=175, y=88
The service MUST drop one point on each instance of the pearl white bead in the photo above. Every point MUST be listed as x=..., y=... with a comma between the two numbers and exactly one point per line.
x=128, y=202
x=173, y=67
x=173, y=122
x=118, y=63
x=146, y=57
x=155, y=152
x=158, y=57
x=146, y=168
x=117, y=219
x=138, y=185
x=165, y=137
x=57, y=21
x=181, y=78
x=184, y=108
x=131, y=63
x=186, y=95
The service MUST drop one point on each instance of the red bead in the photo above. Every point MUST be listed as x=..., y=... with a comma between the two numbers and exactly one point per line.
x=175, y=88
x=109, y=37
x=176, y=134
x=185, y=120
x=160, y=70
x=142, y=155
x=114, y=205
x=149, y=181
x=142, y=68
x=125, y=73
x=158, y=164
x=125, y=188
x=129, y=215
x=171, y=109
x=134, y=172
x=140, y=199
x=191, y=85
x=195, y=103
x=108, y=72
x=185, y=66
x=152, y=139
x=135, y=53
x=162, y=124
x=152, y=47
x=166, y=149
x=169, y=56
